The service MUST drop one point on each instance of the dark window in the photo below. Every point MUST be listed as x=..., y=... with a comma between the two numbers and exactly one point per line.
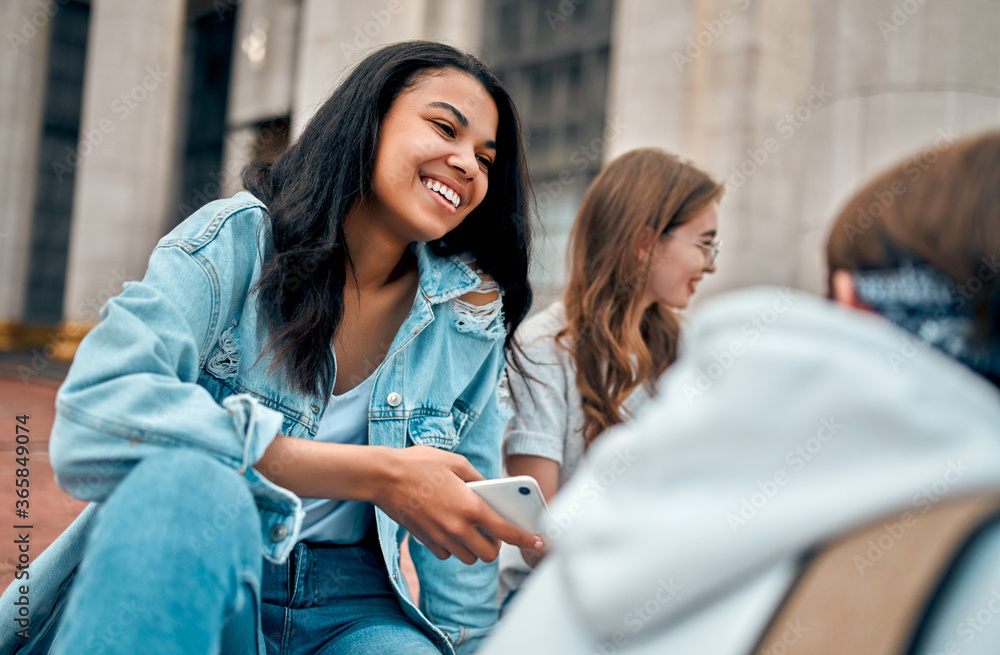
x=541, y=90
x=510, y=25
x=59, y=155
x=557, y=74
x=211, y=46
x=538, y=138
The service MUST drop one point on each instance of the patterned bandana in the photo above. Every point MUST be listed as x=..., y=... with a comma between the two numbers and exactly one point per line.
x=926, y=303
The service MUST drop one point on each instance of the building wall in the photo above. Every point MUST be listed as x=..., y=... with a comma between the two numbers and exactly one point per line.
x=553, y=58
x=336, y=34
x=22, y=96
x=128, y=155
x=54, y=184
x=795, y=104
x=791, y=103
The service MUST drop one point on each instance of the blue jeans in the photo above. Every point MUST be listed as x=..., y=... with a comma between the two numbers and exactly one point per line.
x=336, y=599
x=173, y=565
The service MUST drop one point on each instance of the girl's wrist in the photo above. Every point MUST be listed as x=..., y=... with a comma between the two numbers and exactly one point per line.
x=381, y=475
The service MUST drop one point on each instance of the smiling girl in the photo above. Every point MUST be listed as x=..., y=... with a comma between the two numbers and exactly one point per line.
x=644, y=237
x=308, y=372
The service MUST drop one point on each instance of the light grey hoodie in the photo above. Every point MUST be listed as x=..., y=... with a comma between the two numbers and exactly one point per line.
x=787, y=419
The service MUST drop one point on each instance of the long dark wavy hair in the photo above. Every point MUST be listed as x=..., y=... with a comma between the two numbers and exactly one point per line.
x=310, y=189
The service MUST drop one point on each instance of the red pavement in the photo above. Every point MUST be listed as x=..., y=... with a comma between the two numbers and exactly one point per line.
x=50, y=509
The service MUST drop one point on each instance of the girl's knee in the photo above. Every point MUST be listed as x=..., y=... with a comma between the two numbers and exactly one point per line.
x=188, y=495
x=188, y=475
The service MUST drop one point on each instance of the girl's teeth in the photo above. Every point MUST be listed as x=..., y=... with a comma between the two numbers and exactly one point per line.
x=444, y=191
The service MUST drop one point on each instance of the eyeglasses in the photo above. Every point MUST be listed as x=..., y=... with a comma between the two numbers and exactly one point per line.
x=711, y=249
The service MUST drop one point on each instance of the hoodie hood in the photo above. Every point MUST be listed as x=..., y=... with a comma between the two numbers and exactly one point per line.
x=787, y=420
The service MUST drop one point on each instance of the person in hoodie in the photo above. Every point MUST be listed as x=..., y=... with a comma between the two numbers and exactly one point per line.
x=788, y=420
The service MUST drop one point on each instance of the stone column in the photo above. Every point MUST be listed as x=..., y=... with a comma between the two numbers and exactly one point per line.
x=336, y=34
x=793, y=105
x=126, y=157
x=456, y=22
x=261, y=79
x=24, y=26
x=647, y=90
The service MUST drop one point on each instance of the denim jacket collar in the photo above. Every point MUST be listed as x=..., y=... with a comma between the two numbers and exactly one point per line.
x=443, y=278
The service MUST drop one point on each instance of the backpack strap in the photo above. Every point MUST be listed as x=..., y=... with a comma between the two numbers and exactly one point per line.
x=868, y=591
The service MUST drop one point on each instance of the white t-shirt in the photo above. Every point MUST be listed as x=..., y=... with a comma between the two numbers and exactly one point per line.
x=345, y=421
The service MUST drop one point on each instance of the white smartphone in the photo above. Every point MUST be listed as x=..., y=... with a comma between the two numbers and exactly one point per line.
x=517, y=499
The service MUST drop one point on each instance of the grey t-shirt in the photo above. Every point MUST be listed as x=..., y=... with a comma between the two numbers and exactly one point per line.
x=551, y=424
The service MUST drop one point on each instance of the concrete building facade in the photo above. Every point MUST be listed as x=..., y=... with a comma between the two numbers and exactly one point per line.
x=122, y=116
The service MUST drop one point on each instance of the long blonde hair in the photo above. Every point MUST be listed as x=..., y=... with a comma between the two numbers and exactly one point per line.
x=613, y=350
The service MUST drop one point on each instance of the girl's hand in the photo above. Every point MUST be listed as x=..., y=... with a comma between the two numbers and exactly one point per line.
x=423, y=489
x=532, y=556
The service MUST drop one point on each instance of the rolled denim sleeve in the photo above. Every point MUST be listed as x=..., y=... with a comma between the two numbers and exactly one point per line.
x=132, y=388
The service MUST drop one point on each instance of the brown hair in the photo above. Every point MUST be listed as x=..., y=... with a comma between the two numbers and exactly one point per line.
x=942, y=205
x=614, y=352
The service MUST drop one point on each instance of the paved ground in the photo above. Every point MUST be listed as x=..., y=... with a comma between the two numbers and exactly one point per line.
x=50, y=510
x=27, y=388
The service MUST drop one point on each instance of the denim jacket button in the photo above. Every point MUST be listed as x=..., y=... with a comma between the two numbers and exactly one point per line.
x=278, y=532
x=314, y=408
x=394, y=399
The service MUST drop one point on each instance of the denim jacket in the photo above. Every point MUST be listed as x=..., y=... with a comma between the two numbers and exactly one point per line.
x=176, y=362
